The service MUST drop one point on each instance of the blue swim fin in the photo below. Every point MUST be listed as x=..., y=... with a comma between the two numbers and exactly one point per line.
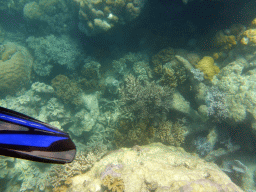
x=24, y=137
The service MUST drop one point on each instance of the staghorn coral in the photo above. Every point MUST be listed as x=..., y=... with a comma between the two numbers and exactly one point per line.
x=67, y=90
x=16, y=65
x=144, y=99
x=206, y=65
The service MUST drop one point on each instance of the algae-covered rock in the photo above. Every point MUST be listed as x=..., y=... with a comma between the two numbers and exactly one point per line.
x=154, y=167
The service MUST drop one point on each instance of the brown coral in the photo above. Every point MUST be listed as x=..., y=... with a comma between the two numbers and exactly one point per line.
x=162, y=57
x=144, y=99
x=223, y=41
x=16, y=65
x=130, y=133
x=67, y=90
x=171, y=133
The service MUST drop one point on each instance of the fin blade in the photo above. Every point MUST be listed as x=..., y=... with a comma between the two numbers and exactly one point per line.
x=28, y=138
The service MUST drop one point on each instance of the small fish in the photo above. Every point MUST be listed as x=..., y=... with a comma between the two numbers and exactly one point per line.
x=24, y=137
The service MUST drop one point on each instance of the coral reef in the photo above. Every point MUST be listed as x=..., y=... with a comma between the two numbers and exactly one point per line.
x=58, y=15
x=223, y=41
x=61, y=174
x=155, y=167
x=42, y=88
x=67, y=90
x=206, y=65
x=216, y=103
x=162, y=57
x=99, y=16
x=16, y=65
x=52, y=50
x=144, y=99
x=130, y=133
x=32, y=10
x=170, y=133
x=239, y=89
x=113, y=183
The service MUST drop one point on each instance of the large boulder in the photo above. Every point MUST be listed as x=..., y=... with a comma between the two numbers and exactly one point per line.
x=153, y=167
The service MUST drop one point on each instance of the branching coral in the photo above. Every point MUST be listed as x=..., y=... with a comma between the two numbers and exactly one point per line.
x=144, y=99
x=111, y=178
x=113, y=184
x=216, y=103
x=60, y=174
x=52, y=50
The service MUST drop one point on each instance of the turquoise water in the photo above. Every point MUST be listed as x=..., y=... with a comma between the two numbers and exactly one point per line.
x=157, y=96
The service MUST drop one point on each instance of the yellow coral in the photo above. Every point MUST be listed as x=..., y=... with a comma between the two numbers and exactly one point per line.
x=113, y=184
x=206, y=65
x=253, y=23
x=223, y=41
x=217, y=55
x=251, y=35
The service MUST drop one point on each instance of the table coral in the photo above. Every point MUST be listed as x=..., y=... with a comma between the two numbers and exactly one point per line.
x=16, y=65
x=158, y=168
x=206, y=65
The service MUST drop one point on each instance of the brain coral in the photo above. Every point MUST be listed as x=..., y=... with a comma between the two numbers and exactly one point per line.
x=206, y=65
x=154, y=167
x=15, y=64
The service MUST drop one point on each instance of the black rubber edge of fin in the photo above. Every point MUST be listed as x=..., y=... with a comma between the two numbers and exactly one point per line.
x=22, y=116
